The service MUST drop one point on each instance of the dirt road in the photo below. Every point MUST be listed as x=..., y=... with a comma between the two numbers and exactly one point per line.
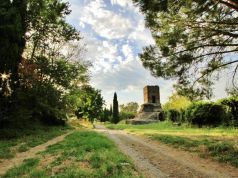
x=156, y=160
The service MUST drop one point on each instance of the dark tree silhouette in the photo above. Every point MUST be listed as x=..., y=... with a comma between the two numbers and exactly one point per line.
x=115, y=112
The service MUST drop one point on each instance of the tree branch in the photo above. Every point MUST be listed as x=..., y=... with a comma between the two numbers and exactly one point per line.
x=233, y=77
x=211, y=70
x=231, y=4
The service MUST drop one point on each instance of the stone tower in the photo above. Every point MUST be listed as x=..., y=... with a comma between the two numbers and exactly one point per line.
x=151, y=94
x=151, y=110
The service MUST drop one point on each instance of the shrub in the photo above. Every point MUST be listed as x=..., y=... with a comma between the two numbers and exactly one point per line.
x=126, y=115
x=231, y=108
x=205, y=114
x=173, y=115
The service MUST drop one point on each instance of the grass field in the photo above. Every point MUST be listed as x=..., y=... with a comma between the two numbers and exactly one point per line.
x=27, y=139
x=218, y=143
x=81, y=154
x=168, y=128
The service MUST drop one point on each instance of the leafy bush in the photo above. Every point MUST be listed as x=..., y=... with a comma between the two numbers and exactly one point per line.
x=231, y=108
x=126, y=115
x=205, y=114
x=173, y=115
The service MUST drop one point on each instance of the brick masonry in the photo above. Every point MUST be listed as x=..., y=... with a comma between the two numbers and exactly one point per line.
x=152, y=94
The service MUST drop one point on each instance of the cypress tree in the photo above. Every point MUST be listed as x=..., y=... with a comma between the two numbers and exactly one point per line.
x=115, y=111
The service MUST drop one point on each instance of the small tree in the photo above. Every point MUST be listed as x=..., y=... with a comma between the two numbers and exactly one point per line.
x=131, y=107
x=115, y=111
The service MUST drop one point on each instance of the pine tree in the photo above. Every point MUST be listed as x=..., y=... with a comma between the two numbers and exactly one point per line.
x=115, y=112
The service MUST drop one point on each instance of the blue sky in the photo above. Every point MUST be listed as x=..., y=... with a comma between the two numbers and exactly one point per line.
x=114, y=33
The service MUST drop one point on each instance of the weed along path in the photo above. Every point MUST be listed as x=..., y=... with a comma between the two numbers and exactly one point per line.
x=156, y=160
x=20, y=157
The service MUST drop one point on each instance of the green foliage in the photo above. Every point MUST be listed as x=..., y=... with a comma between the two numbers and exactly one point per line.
x=48, y=27
x=90, y=104
x=129, y=107
x=173, y=115
x=177, y=102
x=231, y=107
x=175, y=107
x=126, y=115
x=45, y=78
x=12, y=43
x=106, y=115
x=205, y=114
x=115, y=111
x=12, y=31
x=192, y=41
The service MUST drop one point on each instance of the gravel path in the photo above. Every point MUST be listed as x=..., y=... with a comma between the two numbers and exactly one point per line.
x=20, y=157
x=156, y=160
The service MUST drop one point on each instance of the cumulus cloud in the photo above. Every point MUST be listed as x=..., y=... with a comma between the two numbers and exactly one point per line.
x=104, y=22
x=102, y=54
x=123, y=3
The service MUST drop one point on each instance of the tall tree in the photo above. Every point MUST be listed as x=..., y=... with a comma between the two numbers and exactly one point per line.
x=90, y=103
x=115, y=111
x=44, y=76
x=12, y=41
x=195, y=39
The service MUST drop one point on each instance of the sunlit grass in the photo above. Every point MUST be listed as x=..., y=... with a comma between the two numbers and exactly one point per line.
x=168, y=128
x=81, y=154
x=27, y=139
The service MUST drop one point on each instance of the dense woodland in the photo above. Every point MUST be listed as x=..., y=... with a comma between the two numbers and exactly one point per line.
x=40, y=81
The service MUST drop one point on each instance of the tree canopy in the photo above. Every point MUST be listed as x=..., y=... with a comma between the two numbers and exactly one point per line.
x=177, y=102
x=38, y=80
x=194, y=41
x=129, y=107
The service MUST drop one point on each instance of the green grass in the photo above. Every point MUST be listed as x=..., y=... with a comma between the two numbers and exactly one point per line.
x=27, y=139
x=222, y=151
x=168, y=128
x=81, y=154
x=20, y=171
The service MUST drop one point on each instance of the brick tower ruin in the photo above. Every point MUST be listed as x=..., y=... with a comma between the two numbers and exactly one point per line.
x=151, y=110
x=151, y=94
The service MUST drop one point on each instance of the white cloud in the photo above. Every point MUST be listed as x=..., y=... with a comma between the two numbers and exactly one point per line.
x=122, y=3
x=102, y=54
x=141, y=34
x=104, y=22
x=127, y=51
